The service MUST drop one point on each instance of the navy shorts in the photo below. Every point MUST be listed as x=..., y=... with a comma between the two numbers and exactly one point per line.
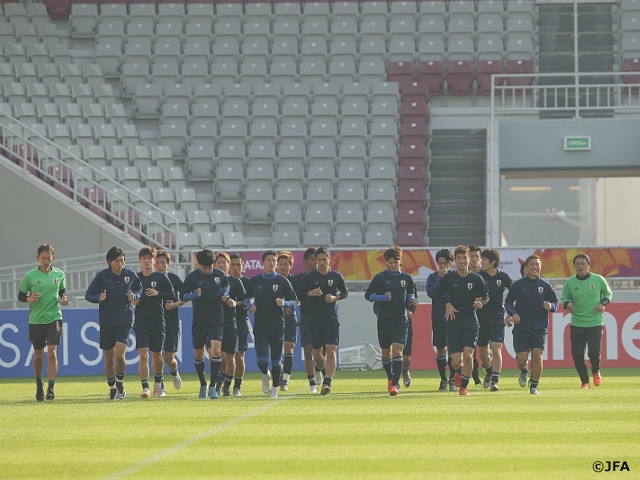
x=409, y=344
x=305, y=330
x=243, y=327
x=269, y=337
x=462, y=334
x=230, y=337
x=110, y=334
x=203, y=333
x=439, y=330
x=290, y=328
x=493, y=332
x=149, y=336
x=325, y=331
x=525, y=342
x=48, y=334
x=172, y=338
x=392, y=332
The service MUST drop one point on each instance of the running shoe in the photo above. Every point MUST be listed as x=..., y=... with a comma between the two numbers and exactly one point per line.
x=443, y=386
x=273, y=392
x=406, y=379
x=213, y=393
x=457, y=380
x=158, y=391
x=494, y=387
x=226, y=392
x=113, y=394
x=534, y=391
x=464, y=392
x=236, y=392
x=122, y=394
x=40, y=395
x=145, y=393
x=319, y=377
x=313, y=388
x=266, y=382
x=326, y=389
x=597, y=378
x=284, y=386
x=394, y=390
x=585, y=386
x=177, y=381
x=50, y=394
x=486, y=383
x=478, y=386
x=522, y=379
x=452, y=386
x=203, y=392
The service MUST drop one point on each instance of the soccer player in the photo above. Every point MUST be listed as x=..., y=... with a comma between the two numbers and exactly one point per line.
x=236, y=266
x=206, y=287
x=491, y=318
x=462, y=291
x=324, y=287
x=586, y=295
x=444, y=259
x=149, y=324
x=406, y=352
x=230, y=335
x=285, y=264
x=475, y=265
x=529, y=301
x=115, y=289
x=171, y=318
x=268, y=295
x=314, y=375
x=45, y=290
x=392, y=290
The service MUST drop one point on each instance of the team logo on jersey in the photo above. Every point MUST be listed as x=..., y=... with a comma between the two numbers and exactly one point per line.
x=153, y=284
x=592, y=286
x=540, y=290
x=469, y=286
x=330, y=283
x=403, y=283
x=126, y=279
x=55, y=280
x=217, y=280
x=275, y=288
x=498, y=282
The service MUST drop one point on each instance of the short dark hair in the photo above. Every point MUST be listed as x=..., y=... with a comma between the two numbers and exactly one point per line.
x=446, y=254
x=532, y=257
x=46, y=248
x=234, y=256
x=205, y=257
x=113, y=253
x=323, y=250
x=475, y=248
x=395, y=253
x=163, y=254
x=582, y=255
x=224, y=255
x=147, y=250
x=269, y=252
x=308, y=252
x=461, y=250
x=492, y=255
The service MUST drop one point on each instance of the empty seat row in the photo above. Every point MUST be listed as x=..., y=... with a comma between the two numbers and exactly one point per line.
x=37, y=52
x=52, y=73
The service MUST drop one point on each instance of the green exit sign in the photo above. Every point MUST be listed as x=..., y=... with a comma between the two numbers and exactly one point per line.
x=577, y=143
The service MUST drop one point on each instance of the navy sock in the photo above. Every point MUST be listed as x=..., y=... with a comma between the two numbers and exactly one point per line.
x=200, y=371
x=474, y=372
x=465, y=382
x=442, y=365
x=227, y=381
x=51, y=384
x=451, y=370
x=495, y=377
x=387, y=368
x=288, y=364
x=39, y=383
x=396, y=370
x=312, y=379
x=276, y=370
x=237, y=383
x=158, y=377
x=214, y=364
x=144, y=383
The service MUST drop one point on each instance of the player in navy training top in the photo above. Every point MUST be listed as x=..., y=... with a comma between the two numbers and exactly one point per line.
x=171, y=318
x=444, y=259
x=529, y=302
x=205, y=287
x=230, y=334
x=268, y=295
x=391, y=290
x=115, y=289
x=314, y=375
x=284, y=266
x=236, y=265
x=491, y=318
x=406, y=353
x=149, y=323
x=324, y=287
x=462, y=291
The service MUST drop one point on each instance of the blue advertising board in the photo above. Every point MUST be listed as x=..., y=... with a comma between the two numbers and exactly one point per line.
x=79, y=351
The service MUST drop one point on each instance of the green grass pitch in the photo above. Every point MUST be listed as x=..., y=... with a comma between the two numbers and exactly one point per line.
x=358, y=431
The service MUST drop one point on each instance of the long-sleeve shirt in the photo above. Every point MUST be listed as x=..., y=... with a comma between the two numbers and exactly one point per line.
x=331, y=283
x=493, y=311
x=237, y=293
x=263, y=290
x=462, y=293
x=585, y=294
x=525, y=298
x=115, y=309
x=150, y=309
x=401, y=286
x=172, y=316
x=437, y=304
x=208, y=306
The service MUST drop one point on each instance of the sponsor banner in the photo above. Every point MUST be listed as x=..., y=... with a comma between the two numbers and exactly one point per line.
x=620, y=342
x=556, y=262
x=79, y=352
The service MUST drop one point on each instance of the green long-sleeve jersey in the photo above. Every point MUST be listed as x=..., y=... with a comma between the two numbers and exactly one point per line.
x=586, y=294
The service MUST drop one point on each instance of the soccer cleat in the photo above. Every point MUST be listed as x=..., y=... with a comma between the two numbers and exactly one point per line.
x=457, y=379
x=478, y=386
x=313, y=388
x=534, y=391
x=597, y=378
x=236, y=392
x=394, y=390
x=203, y=392
x=266, y=382
x=213, y=393
x=50, y=394
x=145, y=393
x=494, y=387
x=40, y=395
x=486, y=383
x=122, y=394
x=177, y=381
x=443, y=386
x=389, y=384
x=522, y=379
x=464, y=392
x=585, y=386
x=273, y=392
x=284, y=386
x=226, y=392
x=406, y=379
x=319, y=377
x=113, y=394
x=326, y=389
x=158, y=391
x=452, y=386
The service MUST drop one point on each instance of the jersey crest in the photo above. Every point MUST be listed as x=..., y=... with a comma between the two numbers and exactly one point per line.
x=55, y=280
x=275, y=287
x=126, y=279
x=330, y=283
x=469, y=286
x=153, y=284
x=592, y=286
x=540, y=290
x=499, y=282
x=403, y=283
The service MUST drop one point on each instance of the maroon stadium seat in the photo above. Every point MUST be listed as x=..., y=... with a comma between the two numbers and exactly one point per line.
x=485, y=69
x=460, y=77
x=431, y=72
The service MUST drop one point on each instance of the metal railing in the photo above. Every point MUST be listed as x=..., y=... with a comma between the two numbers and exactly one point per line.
x=86, y=186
